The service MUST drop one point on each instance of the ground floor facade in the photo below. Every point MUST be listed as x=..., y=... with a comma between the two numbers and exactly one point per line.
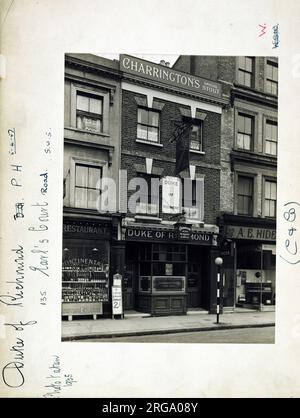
x=166, y=269
x=249, y=253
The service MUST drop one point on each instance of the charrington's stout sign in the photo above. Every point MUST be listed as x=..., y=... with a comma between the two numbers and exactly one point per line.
x=145, y=234
x=156, y=72
x=242, y=232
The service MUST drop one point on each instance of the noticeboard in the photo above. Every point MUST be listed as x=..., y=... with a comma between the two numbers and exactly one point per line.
x=117, y=303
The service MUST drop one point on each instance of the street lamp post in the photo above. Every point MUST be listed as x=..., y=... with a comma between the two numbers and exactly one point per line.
x=218, y=263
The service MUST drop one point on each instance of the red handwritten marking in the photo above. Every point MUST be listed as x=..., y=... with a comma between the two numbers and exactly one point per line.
x=263, y=29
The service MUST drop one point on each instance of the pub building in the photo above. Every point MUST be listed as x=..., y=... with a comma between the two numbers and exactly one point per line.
x=171, y=128
x=91, y=151
x=248, y=190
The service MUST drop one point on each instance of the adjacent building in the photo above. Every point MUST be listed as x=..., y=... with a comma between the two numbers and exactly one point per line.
x=91, y=152
x=248, y=185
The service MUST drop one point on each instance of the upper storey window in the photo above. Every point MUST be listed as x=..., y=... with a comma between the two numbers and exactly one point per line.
x=246, y=71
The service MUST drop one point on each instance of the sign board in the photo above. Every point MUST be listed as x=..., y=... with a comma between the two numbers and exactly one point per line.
x=117, y=303
x=171, y=193
x=184, y=231
x=244, y=232
x=147, y=234
x=117, y=280
x=173, y=78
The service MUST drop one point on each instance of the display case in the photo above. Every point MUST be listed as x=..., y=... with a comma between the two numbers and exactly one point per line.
x=84, y=290
x=259, y=292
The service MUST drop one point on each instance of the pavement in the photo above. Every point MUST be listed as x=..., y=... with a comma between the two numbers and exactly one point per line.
x=141, y=324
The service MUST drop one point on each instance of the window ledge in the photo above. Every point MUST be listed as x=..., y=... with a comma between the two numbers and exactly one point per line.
x=140, y=141
x=83, y=131
x=197, y=152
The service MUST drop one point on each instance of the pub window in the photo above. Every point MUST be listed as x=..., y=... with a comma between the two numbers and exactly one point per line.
x=270, y=198
x=148, y=125
x=189, y=198
x=245, y=195
x=272, y=77
x=271, y=137
x=87, y=187
x=196, y=138
x=149, y=199
x=246, y=71
x=245, y=132
x=89, y=112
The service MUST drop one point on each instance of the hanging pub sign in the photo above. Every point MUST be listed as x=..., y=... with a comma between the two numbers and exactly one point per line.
x=171, y=188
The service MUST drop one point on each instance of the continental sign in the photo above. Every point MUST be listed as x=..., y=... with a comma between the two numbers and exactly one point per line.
x=157, y=72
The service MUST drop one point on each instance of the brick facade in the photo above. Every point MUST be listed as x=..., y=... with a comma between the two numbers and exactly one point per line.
x=207, y=165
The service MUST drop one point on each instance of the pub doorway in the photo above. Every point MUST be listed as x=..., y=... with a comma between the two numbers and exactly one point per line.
x=197, y=278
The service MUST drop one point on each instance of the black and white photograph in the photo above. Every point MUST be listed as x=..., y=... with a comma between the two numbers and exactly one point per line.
x=170, y=190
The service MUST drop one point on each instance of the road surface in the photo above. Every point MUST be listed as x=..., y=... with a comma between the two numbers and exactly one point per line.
x=264, y=335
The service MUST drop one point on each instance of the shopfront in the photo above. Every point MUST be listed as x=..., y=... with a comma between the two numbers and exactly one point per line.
x=167, y=270
x=85, y=268
x=249, y=263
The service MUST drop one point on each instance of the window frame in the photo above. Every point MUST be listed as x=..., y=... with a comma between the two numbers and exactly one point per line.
x=237, y=194
x=147, y=109
x=270, y=180
x=271, y=121
x=148, y=178
x=244, y=71
x=199, y=124
x=101, y=164
x=89, y=114
x=241, y=112
x=102, y=94
x=88, y=167
x=272, y=63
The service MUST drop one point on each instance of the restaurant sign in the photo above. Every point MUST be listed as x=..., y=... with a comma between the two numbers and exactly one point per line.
x=95, y=229
x=145, y=234
x=243, y=232
x=157, y=72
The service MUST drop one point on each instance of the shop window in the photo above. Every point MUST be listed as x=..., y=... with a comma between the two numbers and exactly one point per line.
x=271, y=137
x=270, y=198
x=148, y=125
x=272, y=78
x=245, y=132
x=89, y=112
x=246, y=71
x=245, y=195
x=87, y=186
x=196, y=137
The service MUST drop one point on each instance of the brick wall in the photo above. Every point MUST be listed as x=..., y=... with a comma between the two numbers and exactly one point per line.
x=207, y=165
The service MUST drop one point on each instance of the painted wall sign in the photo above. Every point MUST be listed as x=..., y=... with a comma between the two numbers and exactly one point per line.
x=243, y=232
x=157, y=72
x=145, y=234
x=171, y=188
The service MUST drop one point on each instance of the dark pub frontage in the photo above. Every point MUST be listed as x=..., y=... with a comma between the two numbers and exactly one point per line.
x=168, y=270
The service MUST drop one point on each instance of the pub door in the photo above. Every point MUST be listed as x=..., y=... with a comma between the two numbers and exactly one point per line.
x=195, y=288
x=128, y=285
